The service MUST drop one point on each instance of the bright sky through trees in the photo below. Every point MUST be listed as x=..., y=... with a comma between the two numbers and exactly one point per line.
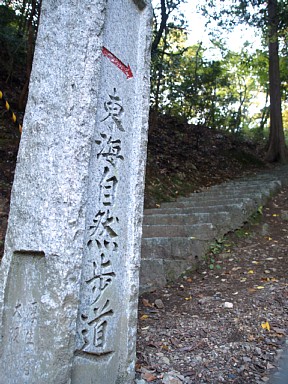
x=198, y=32
x=233, y=41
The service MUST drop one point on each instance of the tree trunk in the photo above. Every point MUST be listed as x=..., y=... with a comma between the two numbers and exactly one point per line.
x=160, y=73
x=264, y=116
x=277, y=150
x=32, y=32
x=163, y=25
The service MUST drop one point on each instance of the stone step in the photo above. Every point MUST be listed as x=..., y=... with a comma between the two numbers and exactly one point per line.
x=197, y=231
x=218, y=195
x=235, y=190
x=158, y=272
x=280, y=174
x=245, y=206
x=165, y=259
x=178, y=234
x=274, y=184
x=186, y=219
x=152, y=275
x=239, y=188
x=221, y=220
x=173, y=247
x=255, y=202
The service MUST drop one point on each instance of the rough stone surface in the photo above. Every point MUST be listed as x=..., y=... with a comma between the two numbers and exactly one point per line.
x=178, y=234
x=69, y=275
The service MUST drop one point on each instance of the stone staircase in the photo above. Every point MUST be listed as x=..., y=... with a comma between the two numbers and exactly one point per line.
x=178, y=234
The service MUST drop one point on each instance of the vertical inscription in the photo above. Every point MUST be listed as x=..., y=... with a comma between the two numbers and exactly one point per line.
x=24, y=307
x=102, y=246
x=24, y=321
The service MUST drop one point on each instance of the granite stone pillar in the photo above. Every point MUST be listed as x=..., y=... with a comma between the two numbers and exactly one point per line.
x=69, y=275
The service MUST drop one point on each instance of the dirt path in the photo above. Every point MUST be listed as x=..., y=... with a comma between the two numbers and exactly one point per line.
x=227, y=324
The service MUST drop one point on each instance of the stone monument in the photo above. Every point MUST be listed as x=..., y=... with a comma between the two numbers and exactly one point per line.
x=69, y=275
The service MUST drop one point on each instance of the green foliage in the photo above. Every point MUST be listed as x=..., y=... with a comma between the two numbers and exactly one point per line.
x=18, y=27
x=242, y=233
x=214, y=93
x=13, y=45
x=217, y=247
x=271, y=20
x=217, y=93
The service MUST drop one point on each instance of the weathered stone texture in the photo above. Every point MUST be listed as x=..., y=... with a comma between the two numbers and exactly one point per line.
x=73, y=241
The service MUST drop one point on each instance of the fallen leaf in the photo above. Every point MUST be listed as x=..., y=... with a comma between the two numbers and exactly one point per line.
x=260, y=287
x=255, y=262
x=144, y=317
x=165, y=347
x=250, y=272
x=188, y=298
x=146, y=303
x=266, y=326
x=137, y=367
x=148, y=377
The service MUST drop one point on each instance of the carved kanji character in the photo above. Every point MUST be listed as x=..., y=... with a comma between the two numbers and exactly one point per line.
x=114, y=110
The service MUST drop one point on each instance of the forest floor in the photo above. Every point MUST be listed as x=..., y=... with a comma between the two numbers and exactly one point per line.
x=184, y=158
x=227, y=324
x=187, y=334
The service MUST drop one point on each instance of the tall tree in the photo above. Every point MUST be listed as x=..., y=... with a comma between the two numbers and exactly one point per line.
x=214, y=93
x=167, y=20
x=277, y=150
x=162, y=13
x=271, y=18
